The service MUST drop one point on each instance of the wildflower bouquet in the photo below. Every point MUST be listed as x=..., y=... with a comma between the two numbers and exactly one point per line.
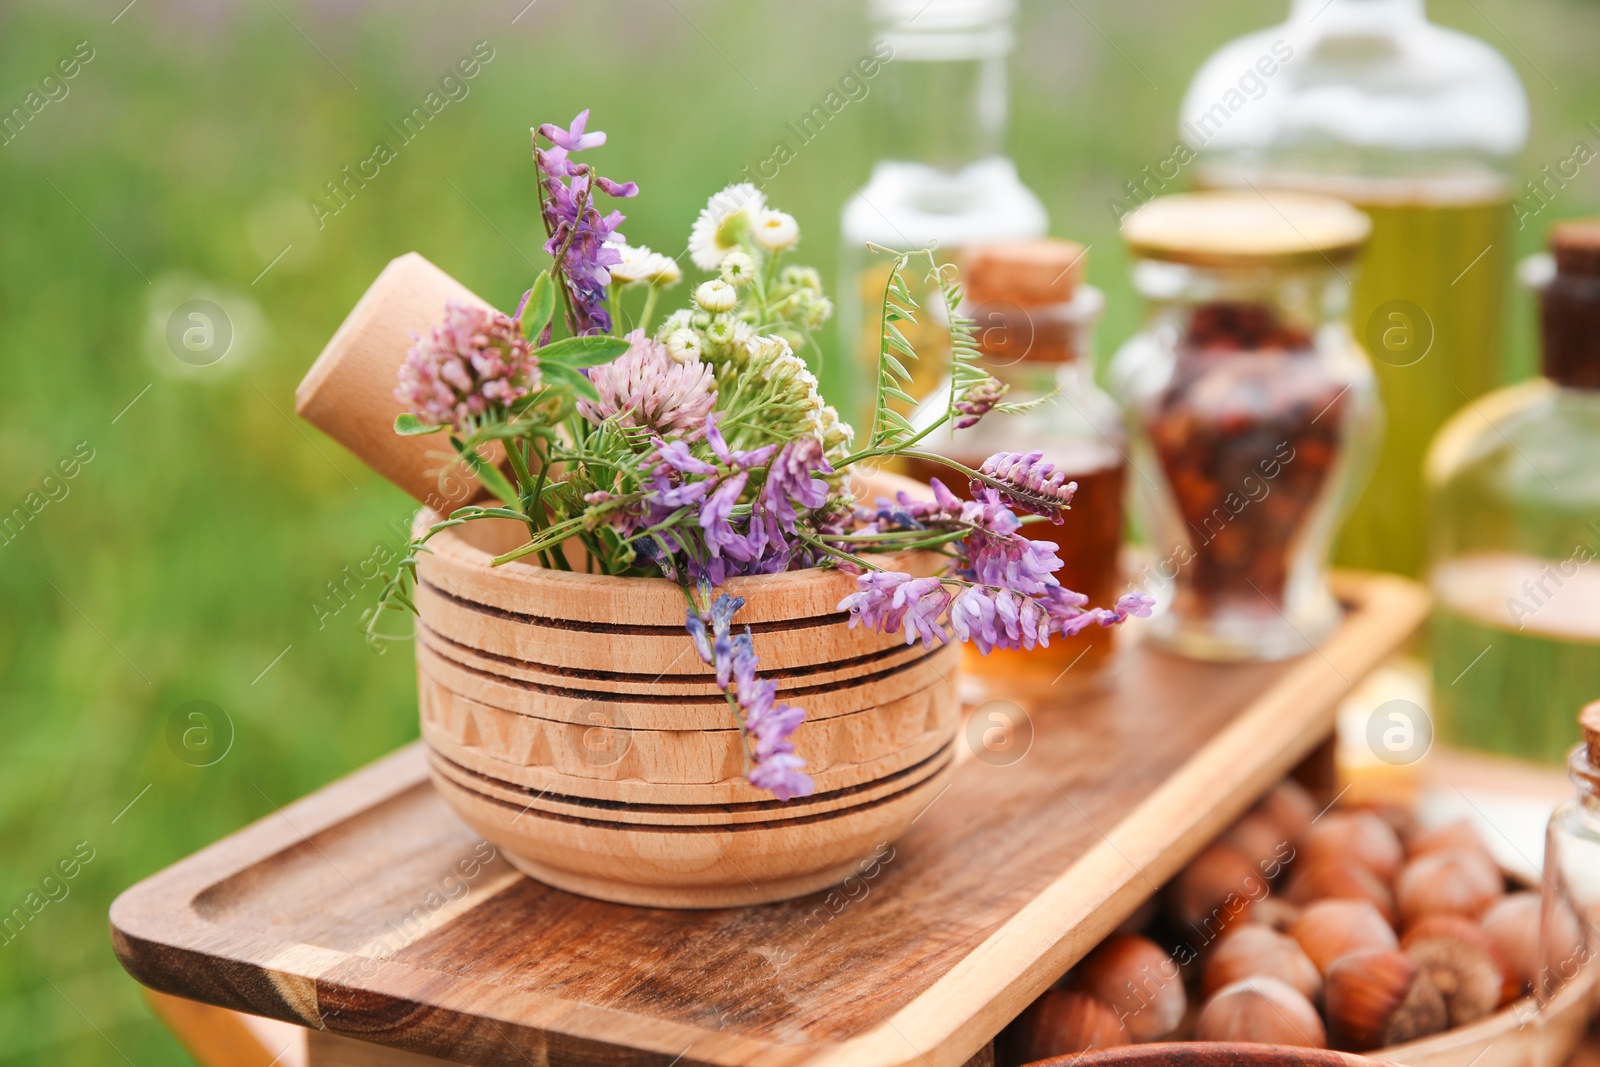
x=698, y=448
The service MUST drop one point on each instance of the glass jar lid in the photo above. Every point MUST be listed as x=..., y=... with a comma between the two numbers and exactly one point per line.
x=1246, y=229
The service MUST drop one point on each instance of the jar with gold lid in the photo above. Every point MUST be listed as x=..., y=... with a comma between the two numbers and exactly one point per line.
x=1035, y=318
x=1252, y=414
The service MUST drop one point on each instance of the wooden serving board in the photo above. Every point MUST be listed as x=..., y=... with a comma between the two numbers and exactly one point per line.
x=369, y=910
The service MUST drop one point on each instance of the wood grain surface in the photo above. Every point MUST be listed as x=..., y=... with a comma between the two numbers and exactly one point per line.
x=369, y=910
x=349, y=391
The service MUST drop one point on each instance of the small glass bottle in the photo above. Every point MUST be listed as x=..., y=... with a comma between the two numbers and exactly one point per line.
x=1252, y=412
x=944, y=181
x=1035, y=327
x=1514, y=486
x=1570, y=916
x=1419, y=126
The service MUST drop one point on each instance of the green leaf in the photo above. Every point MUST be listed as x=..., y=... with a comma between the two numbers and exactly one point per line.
x=541, y=305
x=488, y=474
x=408, y=425
x=564, y=375
x=578, y=352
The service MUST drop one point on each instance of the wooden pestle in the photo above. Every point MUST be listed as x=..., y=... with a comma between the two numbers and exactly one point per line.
x=349, y=391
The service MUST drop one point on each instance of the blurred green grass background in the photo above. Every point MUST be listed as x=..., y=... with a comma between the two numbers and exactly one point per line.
x=184, y=562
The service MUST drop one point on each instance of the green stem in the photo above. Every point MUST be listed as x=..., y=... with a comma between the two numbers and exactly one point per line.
x=816, y=542
x=649, y=308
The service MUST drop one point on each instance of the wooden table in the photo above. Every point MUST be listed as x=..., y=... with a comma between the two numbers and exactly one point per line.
x=367, y=910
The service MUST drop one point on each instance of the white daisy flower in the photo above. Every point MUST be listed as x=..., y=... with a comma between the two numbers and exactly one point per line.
x=716, y=295
x=683, y=345
x=776, y=230
x=678, y=320
x=642, y=265
x=738, y=269
x=723, y=222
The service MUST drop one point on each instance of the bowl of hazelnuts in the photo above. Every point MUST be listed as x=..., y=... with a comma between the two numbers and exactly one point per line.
x=1350, y=929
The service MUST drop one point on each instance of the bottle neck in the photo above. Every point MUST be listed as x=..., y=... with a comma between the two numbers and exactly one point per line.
x=1347, y=12
x=1569, y=327
x=945, y=108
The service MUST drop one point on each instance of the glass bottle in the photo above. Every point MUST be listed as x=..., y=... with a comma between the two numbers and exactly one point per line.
x=1252, y=410
x=943, y=182
x=1514, y=486
x=1418, y=126
x=1035, y=327
x=1570, y=916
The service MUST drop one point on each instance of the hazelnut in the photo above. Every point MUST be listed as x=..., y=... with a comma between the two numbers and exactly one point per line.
x=1259, y=839
x=1355, y=836
x=1402, y=820
x=1512, y=923
x=1324, y=878
x=1382, y=998
x=1064, y=1023
x=1330, y=929
x=1273, y=911
x=1261, y=1010
x=1446, y=837
x=1289, y=806
x=1453, y=882
x=1139, y=980
x=1216, y=889
x=1252, y=950
x=1463, y=962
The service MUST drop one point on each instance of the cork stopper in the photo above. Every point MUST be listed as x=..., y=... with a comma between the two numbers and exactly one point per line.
x=1239, y=229
x=1589, y=719
x=1576, y=247
x=1569, y=306
x=1031, y=273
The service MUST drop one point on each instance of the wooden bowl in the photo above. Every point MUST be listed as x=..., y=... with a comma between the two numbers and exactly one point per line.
x=1207, y=1054
x=1515, y=1036
x=569, y=720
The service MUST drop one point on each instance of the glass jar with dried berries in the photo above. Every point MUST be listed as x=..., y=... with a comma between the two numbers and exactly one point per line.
x=1034, y=325
x=1252, y=410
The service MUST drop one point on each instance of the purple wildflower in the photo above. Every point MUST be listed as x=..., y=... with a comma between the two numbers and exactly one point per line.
x=1135, y=604
x=554, y=160
x=1010, y=597
x=905, y=512
x=1030, y=484
x=887, y=601
x=734, y=457
x=675, y=454
x=996, y=554
x=476, y=359
x=979, y=401
x=722, y=540
x=998, y=618
x=584, y=241
x=768, y=725
x=792, y=475
x=647, y=387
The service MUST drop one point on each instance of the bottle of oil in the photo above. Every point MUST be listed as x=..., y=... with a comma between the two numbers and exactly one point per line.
x=1035, y=327
x=944, y=181
x=1514, y=483
x=1417, y=125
